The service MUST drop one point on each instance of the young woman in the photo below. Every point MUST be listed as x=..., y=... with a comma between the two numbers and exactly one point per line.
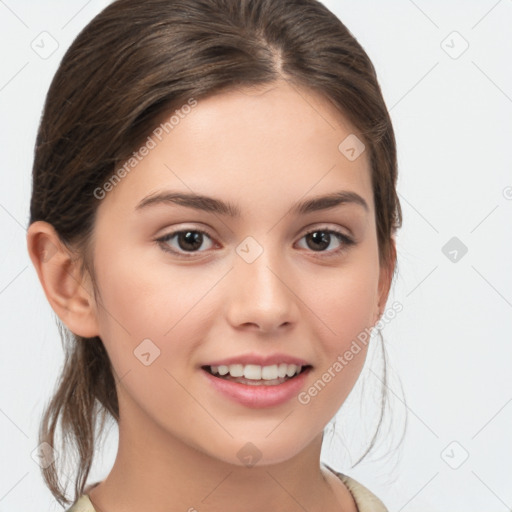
x=212, y=219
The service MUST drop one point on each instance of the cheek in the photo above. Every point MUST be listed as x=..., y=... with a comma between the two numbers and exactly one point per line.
x=346, y=299
x=150, y=330
x=344, y=302
x=343, y=308
x=149, y=302
x=351, y=306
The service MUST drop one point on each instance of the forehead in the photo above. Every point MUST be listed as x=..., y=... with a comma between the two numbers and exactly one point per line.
x=269, y=142
x=279, y=114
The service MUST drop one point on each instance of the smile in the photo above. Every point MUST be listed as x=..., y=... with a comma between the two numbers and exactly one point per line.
x=253, y=389
x=255, y=372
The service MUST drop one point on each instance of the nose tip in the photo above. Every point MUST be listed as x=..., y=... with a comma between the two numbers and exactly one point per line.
x=261, y=295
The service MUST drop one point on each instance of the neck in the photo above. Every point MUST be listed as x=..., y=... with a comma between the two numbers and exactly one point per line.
x=158, y=472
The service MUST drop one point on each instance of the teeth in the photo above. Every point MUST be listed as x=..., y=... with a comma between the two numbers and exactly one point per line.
x=257, y=372
x=252, y=371
x=223, y=370
x=236, y=370
x=292, y=370
x=270, y=372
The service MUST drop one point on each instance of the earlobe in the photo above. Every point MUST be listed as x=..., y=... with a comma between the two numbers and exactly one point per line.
x=69, y=295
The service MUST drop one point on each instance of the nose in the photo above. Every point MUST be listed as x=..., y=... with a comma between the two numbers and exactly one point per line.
x=261, y=294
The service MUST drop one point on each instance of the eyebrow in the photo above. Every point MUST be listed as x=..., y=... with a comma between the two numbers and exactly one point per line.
x=213, y=205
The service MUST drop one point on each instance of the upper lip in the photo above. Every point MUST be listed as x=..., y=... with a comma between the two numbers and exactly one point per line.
x=260, y=360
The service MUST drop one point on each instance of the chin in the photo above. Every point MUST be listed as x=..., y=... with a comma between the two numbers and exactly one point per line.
x=263, y=452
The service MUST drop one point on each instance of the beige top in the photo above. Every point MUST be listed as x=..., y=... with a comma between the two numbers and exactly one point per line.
x=365, y=500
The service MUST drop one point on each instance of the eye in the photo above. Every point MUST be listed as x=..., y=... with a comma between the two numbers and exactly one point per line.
x=320, y=238
x=188, y=240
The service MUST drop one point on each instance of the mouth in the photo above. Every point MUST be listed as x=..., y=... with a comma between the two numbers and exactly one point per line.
x=255, y=375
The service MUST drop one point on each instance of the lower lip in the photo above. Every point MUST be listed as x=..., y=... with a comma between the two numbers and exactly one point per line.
x=259, y=396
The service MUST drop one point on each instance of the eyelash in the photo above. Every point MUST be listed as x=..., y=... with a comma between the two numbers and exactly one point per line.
x=345, y=240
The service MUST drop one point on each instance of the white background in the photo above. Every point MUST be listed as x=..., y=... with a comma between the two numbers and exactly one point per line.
x=450, y=348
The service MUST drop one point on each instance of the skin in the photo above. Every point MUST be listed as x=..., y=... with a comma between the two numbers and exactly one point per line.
x=263, y=149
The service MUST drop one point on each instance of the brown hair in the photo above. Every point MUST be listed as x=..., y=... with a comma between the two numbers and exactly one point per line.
x=131, y=64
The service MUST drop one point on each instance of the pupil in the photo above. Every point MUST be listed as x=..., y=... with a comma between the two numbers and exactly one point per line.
x=192, y=238
x=323, y=239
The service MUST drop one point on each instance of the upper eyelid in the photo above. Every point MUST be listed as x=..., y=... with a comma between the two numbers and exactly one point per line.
x=304, y=231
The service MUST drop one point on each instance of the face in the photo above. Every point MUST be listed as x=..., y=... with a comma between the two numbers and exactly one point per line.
x=182, y=287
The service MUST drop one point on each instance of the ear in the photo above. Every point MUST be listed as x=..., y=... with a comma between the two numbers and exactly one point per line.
x=385, y=280
x=69, y=295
